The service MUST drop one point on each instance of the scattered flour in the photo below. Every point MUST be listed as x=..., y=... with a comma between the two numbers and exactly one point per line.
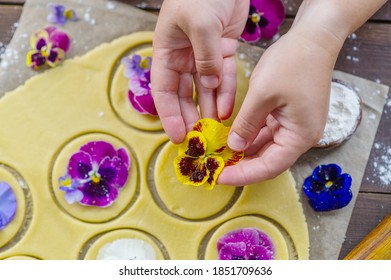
x=88, y=18
x=382, y=163
x=344, y=111
x=111, y=5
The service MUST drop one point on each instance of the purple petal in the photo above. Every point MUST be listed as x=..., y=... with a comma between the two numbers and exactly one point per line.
x=52, y=56
x=272, y=26
x=50, y=29
x=80, y=164
x=98, y=150
x=134, y=103
x=247, y=243
x=38, y=60
x=267, y=7
x=123, y=155
x=114, y=172
x=233, y=251
x=98, y=194
x=260, y=253
x=73, y=196
x=139, y=86
x=8, y=204
x=41, y=42
x=60, y=39
x=147, y=104
x=251, y=33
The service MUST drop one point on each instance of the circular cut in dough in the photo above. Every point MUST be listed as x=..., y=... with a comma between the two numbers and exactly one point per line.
x=94, y=214
x=344, y=115
x=263, y=225
x=122, y=106
x=104, y=247
x=22, y=257
x=13, y=231
x=186, y=201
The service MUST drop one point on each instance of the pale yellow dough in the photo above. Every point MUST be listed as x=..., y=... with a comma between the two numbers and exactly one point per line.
x=85, y=99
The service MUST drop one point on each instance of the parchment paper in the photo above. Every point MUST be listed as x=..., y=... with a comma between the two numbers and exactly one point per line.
x=102, y=21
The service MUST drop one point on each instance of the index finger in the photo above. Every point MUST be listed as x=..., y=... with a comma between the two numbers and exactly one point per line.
x=165, y=84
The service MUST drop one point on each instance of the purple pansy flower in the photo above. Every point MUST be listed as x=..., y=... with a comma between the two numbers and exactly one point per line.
x=138, y=71
x=95, y=174
x=327, y=188
x=245, y=244
x=60, y=15
x=8, y=204
x=49, y=47
x=264, y=20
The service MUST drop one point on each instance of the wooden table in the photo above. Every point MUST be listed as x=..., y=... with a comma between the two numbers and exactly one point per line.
x=366, y=53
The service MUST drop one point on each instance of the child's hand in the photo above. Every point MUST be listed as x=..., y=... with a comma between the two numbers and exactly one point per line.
x=285, y=110
x=195, y=39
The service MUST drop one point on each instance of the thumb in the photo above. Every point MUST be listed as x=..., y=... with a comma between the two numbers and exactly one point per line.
x=250, y=119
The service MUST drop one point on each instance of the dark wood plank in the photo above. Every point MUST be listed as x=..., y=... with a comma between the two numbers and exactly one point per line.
x=369, y=211
x=384, y=14
x=366, y=53
x=12, y=2
x=9, y=15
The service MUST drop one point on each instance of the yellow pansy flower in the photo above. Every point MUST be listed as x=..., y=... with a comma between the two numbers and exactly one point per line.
x=204, y=154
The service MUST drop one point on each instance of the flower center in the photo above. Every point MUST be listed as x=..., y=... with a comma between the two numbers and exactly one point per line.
x=45, y=51
x=94, y=176
x=329, y=184
x=256, y=17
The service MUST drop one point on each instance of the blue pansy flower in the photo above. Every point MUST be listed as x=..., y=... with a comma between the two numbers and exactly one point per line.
x=327, y=188
x=8, y=205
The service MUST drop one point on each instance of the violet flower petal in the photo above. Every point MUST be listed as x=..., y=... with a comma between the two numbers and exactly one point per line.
x=233, y=251
x=247, y=243
x=41, y=42
x=98, y=150
x=8, y=204
x=98, y=194
x=123, y=155
x=139, y=86
x=80, y=164
x=60, y=39
x=270, y=7
x=114, y=171
x=147, y=104
x=72, y=196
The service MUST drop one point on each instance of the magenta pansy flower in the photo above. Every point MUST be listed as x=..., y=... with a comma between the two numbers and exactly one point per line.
x=245, y=244
x=95, y=174
x=8, y=204
x=264, y=20
x=138, y=71
x=60, y=15
x=48, y=47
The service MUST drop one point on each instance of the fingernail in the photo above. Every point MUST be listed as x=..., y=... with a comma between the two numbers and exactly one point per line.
x=210, y=81
x=236, y=142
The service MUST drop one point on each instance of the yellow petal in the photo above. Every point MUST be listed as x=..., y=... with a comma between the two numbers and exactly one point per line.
x=190, y=171
x=29, y=58
x=214, y=165
x=215, y=133
x=231, y=157
x=195, y=145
